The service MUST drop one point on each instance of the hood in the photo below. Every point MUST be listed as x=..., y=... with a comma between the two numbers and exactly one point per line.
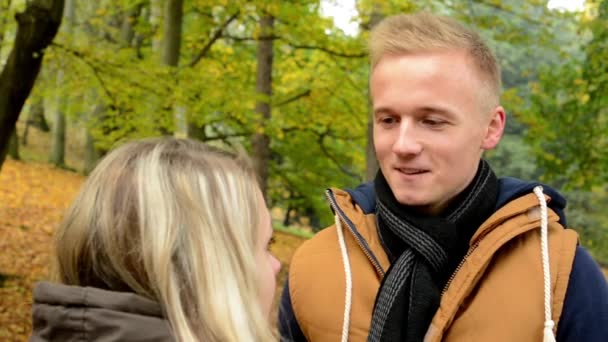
x=509, y=188
x=69, y=313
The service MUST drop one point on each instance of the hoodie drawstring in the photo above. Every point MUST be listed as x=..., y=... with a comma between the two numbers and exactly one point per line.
x=544, y=246
x=349, y=280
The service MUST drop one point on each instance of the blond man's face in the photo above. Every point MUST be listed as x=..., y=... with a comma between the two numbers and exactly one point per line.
x=430, y=125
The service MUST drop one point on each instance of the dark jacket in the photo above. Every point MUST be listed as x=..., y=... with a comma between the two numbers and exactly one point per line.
x=585, y=312
x=72, y=313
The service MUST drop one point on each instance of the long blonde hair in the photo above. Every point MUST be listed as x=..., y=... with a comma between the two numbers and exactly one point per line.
x=175, y=221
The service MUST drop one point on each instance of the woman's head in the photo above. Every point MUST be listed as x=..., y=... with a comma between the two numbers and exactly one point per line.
x=179, y=222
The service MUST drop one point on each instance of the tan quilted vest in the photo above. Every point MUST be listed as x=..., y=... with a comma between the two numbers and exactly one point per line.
x=496, y=294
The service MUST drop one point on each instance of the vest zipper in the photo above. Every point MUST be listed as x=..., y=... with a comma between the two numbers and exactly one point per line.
x=469, y=252
x=360, y=241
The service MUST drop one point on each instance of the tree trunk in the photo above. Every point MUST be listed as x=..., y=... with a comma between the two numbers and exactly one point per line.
x=57, y=155
x=180, y=116
x=95, y=115
x=37, y=26
x=13, y=146
x=91, y=153
x=371, y=163
x=172, y=37
x=35, y=118
x=287, y=217
x=25, y=132
x=314, y=221
x=172, y=32
x=36, y=115
x=156, y=14
x=127, y=31
x=263, y=85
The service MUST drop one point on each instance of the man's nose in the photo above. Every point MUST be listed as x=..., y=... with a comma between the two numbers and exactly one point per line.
x=408, y=140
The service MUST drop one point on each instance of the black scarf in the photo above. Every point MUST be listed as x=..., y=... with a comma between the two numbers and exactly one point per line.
x=424, y=251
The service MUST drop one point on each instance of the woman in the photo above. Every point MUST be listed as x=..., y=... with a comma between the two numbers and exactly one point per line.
x=167, y=240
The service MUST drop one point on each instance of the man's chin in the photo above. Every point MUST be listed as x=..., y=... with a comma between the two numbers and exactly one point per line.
x=410, y=201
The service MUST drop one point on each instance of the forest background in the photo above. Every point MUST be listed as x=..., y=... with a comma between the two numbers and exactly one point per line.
x=282, y=80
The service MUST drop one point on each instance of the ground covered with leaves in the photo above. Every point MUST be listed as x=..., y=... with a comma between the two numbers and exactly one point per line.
x=33, y=197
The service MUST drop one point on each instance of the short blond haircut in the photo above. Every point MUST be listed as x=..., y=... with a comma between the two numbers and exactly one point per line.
x=422, y=32
x=175, y=221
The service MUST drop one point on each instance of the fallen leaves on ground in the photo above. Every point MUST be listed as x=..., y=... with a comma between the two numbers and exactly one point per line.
x=283, y=248
x=33, y=198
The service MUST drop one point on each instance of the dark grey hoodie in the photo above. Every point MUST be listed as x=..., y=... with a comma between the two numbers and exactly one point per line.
x=73, y=313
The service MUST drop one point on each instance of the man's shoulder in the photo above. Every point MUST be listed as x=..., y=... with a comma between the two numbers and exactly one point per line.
x=587, y=278
x=585, y=311
x=321, y=244
x=315, y=261
x=510, y=189
x=363, y=196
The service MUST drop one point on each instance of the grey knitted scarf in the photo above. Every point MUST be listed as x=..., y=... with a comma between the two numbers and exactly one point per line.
x=424, y=251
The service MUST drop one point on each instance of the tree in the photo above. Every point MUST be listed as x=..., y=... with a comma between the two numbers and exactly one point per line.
x=35, y=117
x=568, y=110
x=57, y=155
x=13, y=146
x=263, y=85
x=371, y=163
x=37, y=26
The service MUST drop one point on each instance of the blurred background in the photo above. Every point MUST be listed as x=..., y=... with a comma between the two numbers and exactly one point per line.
x=287, y=80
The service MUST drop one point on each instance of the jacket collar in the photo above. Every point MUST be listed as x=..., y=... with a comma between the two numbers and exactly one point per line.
x=509, y=188
x=65, y=313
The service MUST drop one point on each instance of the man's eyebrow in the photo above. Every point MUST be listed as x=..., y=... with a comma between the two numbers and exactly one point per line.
x=419, y=111
x=434, y=110
x=382, y=110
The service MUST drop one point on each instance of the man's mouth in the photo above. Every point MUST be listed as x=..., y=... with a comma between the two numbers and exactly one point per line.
x=411, y=171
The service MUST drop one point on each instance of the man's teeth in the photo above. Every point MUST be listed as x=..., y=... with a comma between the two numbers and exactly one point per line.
x=412, y=171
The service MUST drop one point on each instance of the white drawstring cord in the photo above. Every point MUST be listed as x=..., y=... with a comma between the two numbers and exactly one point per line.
x=544, y=245
x=349, y=280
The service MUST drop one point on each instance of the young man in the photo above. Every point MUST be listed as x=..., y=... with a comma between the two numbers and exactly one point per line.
x=437, y=248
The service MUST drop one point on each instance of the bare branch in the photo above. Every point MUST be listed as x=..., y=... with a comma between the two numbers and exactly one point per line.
x=216, y=35
x=250, y=39
x=93, y=68
x=293, y=98
x=335, y=161
x=302, y=46
x=328, y=50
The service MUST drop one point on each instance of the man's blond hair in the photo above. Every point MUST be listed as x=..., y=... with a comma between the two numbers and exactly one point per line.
x=422, y=32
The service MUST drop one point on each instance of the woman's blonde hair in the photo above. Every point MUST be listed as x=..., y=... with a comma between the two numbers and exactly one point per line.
x=175, y=221
x=422, y=32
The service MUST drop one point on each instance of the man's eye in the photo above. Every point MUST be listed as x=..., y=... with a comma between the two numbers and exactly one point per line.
x=387, y=120
x=432, y=122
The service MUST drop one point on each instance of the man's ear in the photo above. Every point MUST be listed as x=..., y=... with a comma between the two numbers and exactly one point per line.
x=495, y=128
